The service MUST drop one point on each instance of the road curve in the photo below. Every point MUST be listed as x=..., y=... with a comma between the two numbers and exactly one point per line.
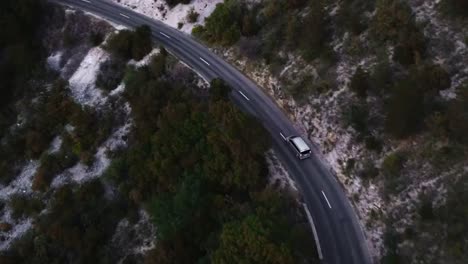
x=338, y=229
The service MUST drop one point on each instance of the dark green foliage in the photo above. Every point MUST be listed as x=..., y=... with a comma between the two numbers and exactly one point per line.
x=391, y=240
x=74, y=229
x=455, y=7
x=452, y=215
x=222, y=26
x=394, y=22
x=141, y=42
x=360, y=82
x=197, y=163
x=158, y=64
x=457, y=116
x=131, y=44
x=25, y=206
x=96, y=38
x=21, y=51
x=120, y=44
x=393, y=164
x=413, y=98
x=111, y=73
x=313, y=35
x=219, y=90
x=172, y=3
x=350, y=15
x=357, y=117
x=174, y=213
x=51, y=165
x=253, y=238
x=405, y=109
x=192, y=16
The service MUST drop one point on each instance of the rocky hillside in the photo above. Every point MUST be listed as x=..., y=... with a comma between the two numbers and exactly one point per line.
x=112, y=151
x=381, y=88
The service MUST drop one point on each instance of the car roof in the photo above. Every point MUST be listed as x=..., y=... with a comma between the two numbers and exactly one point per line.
x=300, y=144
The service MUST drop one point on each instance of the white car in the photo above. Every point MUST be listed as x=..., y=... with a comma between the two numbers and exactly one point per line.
x=300, y=146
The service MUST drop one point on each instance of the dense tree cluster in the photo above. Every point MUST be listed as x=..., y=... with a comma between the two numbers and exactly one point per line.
x=74, y=230
x=130, y=44
x=279, y=23
x=20, y=51
x=413, y=98
x=197, y=162
x=394, y=22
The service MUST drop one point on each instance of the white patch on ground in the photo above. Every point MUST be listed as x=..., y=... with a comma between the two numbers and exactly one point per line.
x=55, y=145
x=22, y=183
x=18, y=228
x=53, y=61
x=146, y=60
x=81, y=173
x=135, y=238
x=82, y=82
x=278, y=174
x=159, y=10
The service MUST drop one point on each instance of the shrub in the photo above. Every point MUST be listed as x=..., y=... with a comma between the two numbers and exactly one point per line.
x=192, y=16
x=404, y=110
x=110, y=74
x=131, y=44
x=312, y=42
x=96, y=38
x=223, y=25
x=23, y=205
x=455, y=7
x=357, y=116
x=120, y=44
x=141, y=42
x=172, y=3
x=360, y=82
x=457, y=115
x=394, y=22
x=393, y=164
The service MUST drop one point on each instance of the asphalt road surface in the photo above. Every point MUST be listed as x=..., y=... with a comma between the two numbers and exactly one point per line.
x=338, y=230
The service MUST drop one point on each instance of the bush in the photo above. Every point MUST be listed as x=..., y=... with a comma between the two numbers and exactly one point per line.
x=130, y=44
x=357, y=117
x=457, y=115
x=313, y=35
x=394, y=22
x=111, y=73
x=96, y=38
x=393, y=164
x=360, y=82
x=192, y=16
x=172, y=3
x=25, y=206
x=224, y=25
x=455, y=7
x=404, y=110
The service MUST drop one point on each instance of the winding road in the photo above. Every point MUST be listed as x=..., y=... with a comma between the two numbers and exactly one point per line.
x=334, y=222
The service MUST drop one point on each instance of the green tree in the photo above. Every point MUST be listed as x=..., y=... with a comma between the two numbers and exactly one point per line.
x=250, y=241
x=219, y=90
x=360, y=82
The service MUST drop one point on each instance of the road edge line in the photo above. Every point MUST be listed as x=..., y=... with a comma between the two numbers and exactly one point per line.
x=314, y=231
